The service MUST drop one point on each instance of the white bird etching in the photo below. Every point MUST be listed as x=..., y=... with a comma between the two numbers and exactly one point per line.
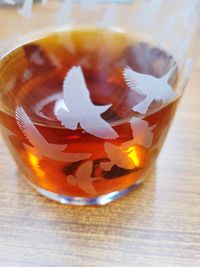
x=10, y=2
x=148, y=10
x=64, y=14
x=89, y=4
x=109, y=17
x=40, y=147
x=149, y=86
x=117, y=156
x=44, y=2
x=77, y=107
x=26, y=10
x=83, y=178
x=142, y=133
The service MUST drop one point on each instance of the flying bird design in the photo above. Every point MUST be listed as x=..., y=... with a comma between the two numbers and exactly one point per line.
x=142, y=134
x=10, y=2
x=89, y=4
x=117, y=156
x=40, y=147
x=83, y=178
x=64, y=14
x=109, y=16
x=86, y=113
x=44, y=2
x=148, y=10
x=26, y=10
x=149, y=86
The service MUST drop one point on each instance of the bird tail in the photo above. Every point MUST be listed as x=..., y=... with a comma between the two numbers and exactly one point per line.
x=143, y=106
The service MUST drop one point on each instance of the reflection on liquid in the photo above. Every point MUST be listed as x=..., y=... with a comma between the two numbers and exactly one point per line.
x=132, y=153
x=35, y=165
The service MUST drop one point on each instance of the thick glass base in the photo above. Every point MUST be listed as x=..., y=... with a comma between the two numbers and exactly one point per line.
x=80, y=201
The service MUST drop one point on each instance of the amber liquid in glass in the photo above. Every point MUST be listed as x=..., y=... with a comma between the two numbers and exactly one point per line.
x=32, y=77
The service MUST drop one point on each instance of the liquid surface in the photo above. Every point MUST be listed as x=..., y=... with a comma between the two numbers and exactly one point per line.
x=32, y=77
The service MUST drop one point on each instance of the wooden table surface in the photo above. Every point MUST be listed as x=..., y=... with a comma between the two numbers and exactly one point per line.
x=156, y=225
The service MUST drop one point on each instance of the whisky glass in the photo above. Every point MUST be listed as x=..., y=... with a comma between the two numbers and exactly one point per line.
x=88, y=90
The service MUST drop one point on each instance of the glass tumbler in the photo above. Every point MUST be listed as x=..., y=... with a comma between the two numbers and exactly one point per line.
x=88, y=90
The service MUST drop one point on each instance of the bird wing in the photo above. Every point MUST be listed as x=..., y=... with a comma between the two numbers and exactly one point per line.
x=138, y=126
x=166, y=95
x=66, y=120
x=85, y=170
x=75, y=89
x=109, y=16
x=141, y=132
x=66, y=157
x=118, y=156
x=99, y=127
x=113, y=152
x=134, y=80
x=28, y=128
x=84, y=178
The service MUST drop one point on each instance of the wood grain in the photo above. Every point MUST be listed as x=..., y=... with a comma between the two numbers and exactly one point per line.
x=156, y=225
